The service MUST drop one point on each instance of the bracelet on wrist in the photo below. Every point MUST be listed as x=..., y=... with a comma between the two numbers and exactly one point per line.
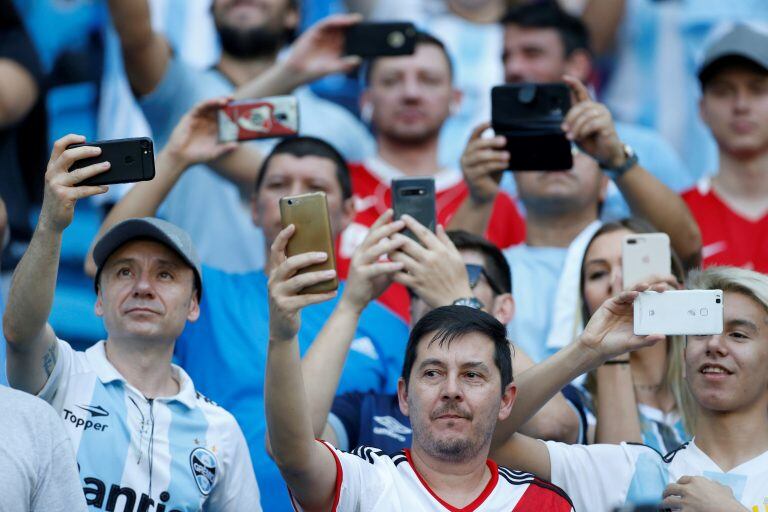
x=617, y=361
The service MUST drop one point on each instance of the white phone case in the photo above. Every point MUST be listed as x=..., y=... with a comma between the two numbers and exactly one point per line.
x=644, y=255
x=679, y=312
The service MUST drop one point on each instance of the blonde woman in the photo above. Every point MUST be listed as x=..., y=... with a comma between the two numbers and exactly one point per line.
x=638, y=397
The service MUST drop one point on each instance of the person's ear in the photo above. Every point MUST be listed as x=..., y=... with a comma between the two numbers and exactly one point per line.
x=193, y=312
x=99, y=307
x=579, y=64
x=507, y=401
x=455, y=105
x=292, y=19
x=348, y=212
x=402, y=396
x=504, y=308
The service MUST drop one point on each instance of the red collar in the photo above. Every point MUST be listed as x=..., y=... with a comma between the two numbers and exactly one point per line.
x=489, y=487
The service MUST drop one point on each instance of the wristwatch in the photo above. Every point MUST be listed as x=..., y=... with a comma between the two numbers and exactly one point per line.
x=471, y=302
x=617, y=172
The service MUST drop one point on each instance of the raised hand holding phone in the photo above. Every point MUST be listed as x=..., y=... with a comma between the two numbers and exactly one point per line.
x=308, y=213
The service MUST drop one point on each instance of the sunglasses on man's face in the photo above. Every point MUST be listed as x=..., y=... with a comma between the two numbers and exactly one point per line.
x=475, y=271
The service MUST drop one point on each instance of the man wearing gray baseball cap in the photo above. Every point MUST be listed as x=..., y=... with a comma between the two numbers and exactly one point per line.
x=141, y=432
x=731, y=206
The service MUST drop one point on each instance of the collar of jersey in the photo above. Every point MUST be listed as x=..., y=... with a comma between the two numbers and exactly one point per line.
x=489, y=487
x=385, y=172
x=107, y=373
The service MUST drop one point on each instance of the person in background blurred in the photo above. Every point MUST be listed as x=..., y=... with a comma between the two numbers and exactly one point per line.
x=640, y=397
x=23, y=125
x=731, y=207
x=407, y=101
x=251, y=33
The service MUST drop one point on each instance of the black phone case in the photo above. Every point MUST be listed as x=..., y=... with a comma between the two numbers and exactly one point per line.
x=416, y=197
x=131, y=160
x=380, y=39
x=529, y=116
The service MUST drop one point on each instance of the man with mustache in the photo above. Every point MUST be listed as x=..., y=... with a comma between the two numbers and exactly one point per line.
x=407, y=101
x=252, y=33
x=456, y=384
x=142, y=433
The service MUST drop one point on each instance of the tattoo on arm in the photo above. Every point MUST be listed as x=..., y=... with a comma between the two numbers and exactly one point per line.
x=49, y=359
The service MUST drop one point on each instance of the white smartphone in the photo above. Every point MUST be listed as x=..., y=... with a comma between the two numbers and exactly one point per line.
x=644, y=255
x=679, y=312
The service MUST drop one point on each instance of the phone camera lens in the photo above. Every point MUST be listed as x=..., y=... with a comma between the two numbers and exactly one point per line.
x=717, y=301
x=290, y=202
x=144, y=144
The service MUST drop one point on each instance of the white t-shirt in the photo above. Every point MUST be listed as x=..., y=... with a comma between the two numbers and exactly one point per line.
x=602, y=476
x=183, y=452
x=369, y=480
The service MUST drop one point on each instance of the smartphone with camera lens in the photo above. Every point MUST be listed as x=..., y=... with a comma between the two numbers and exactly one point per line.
x=380, y=39
x=695, y=312
x=309, y=214
x=643, y=256
x=529, y=115
x=130, y=160
x=415, y=197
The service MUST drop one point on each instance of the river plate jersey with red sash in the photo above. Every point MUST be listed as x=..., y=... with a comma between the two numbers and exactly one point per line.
x=371, y=190
x=367, y=480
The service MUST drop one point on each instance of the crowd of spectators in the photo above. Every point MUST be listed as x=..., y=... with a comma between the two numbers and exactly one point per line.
x=487, y=364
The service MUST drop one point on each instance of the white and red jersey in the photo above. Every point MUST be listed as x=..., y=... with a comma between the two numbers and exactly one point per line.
x=371, y=181
x=727, y=237
x=367, y=480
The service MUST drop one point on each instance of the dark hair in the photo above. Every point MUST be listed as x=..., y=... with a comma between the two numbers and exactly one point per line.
x=549, y=15
x=451, y=322
x=309, y=146
x=730, y=61
x=496, y=265
x=421, y=38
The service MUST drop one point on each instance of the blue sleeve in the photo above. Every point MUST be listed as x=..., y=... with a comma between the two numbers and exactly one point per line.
x=177, y=92
x=345, y=419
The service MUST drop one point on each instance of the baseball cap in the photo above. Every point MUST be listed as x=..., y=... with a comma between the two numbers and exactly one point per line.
x=149, y=228
x=741, y=42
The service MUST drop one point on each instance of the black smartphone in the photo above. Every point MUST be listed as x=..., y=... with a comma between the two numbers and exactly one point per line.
x=416, y=197
x=529, y=115
x=380, y=39
x=130, y=160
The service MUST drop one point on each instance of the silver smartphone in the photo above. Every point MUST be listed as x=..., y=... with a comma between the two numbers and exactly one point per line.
x=673, y=312
x=644, y=255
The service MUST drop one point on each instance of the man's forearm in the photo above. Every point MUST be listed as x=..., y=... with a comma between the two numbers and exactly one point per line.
x=277, y=80
x=287, y=411
x=32, y=289
x=145, y=53
x=651, y=199
x=324, y=361
x=537, y=385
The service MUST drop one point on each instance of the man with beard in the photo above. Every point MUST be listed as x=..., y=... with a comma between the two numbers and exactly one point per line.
x=252, y=32
x=562, y=214
x=407, y=101
x=455, y=385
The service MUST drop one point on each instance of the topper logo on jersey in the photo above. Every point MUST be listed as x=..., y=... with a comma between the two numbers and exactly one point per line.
x=87, y=424
x=203, y=463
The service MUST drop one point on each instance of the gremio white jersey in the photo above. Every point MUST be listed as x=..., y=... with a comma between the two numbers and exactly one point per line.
x=367, y=480
x=600, y=477
x=177, y=454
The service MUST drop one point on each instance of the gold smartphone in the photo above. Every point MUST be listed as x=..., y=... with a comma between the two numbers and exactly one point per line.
x=309, y=213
